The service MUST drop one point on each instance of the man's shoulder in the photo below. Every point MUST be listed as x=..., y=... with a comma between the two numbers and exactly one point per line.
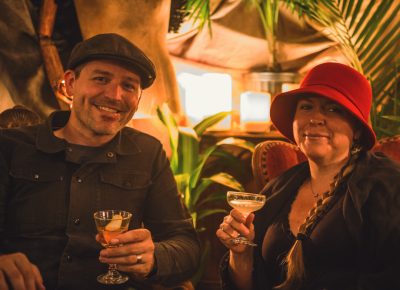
x=139, y=137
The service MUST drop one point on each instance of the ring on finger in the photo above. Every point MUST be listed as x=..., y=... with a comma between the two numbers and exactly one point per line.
x=139, y=259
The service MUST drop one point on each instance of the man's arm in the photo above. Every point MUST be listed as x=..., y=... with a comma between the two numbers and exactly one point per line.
x=177, y=249
x=15, y=268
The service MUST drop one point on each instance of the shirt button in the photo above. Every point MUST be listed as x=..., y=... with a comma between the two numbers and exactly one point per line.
x=36, y=176
x=69, y=149
x=110, y=154
x=69, y=258
x=79, y=179
x=77, y=221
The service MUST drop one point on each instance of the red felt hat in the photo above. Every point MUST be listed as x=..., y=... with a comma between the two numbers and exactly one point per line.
x=336, y=82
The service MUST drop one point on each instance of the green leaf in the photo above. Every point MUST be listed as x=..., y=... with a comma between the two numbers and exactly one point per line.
x=209, y=121
x=194, y=178
x=165, y=116
x=188, y=150
x=227, y=180
x=241, y=143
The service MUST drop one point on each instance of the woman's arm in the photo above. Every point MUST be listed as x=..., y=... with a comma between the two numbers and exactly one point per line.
x=240, y=267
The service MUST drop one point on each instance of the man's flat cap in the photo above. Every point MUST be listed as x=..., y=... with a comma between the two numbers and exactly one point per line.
x=114, y=47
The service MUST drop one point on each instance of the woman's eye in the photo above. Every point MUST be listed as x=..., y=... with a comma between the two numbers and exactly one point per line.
x=304, y=106
x=334, y=109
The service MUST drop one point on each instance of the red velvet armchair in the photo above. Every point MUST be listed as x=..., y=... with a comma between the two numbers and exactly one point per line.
x=272, y=158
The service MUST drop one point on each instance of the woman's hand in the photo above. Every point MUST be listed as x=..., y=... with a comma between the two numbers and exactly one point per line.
x=233, y=225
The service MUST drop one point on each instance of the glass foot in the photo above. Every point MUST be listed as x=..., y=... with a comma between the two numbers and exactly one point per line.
x=112, y=278
x=243, y=241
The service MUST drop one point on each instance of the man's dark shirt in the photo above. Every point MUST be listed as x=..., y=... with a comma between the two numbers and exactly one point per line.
x=49, y=190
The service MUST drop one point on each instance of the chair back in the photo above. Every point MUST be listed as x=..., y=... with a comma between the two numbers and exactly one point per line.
x=271, y=158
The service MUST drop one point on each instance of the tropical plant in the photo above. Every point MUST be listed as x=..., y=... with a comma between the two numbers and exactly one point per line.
x=368, y=34
x=188, y=162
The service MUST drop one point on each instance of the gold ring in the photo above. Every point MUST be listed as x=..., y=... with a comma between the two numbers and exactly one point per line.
x=139, y=259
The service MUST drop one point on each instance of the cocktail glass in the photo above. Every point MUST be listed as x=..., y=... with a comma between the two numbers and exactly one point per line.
x=246, y=203
x=111, y=223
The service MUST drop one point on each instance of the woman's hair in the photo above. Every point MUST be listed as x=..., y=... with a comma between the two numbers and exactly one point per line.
x=18, y=116
x=296, y=272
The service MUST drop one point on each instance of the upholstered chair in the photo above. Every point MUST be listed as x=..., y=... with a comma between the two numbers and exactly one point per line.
x=271, y=158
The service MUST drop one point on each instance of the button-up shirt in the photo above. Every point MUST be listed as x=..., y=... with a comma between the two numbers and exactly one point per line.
x=49, y=190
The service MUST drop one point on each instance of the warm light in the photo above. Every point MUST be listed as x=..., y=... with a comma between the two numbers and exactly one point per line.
x=254, y=111
x=206, y=94
x=289, y=86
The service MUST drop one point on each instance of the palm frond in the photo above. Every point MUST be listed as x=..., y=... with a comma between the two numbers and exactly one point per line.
x=369, y=35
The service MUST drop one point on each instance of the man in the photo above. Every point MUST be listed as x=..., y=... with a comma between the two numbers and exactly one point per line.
x=54, y=176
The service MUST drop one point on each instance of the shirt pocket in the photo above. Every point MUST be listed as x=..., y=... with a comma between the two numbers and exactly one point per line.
x=37, y=199
x=124, y=190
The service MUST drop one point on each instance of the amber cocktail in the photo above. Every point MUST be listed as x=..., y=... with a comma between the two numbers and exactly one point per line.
x=111, y=223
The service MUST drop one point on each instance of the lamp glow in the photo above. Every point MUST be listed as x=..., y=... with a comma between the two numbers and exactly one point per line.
x=254, y=111
x=206, y=94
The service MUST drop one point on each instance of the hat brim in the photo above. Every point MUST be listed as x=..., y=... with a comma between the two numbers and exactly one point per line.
x=283, y=108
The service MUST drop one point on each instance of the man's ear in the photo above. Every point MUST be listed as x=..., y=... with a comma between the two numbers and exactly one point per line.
x=69, y=78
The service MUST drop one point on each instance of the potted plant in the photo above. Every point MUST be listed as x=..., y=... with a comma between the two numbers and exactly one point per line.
x=367, y=32
x=188, y=162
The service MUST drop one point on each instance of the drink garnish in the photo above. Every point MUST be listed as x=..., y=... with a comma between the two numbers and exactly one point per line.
x=115, y=223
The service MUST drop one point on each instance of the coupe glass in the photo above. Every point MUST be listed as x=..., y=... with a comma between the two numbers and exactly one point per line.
x=246, y=203
x=111, y=223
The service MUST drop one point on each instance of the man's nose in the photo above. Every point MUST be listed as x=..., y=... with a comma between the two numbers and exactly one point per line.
x=114, y=91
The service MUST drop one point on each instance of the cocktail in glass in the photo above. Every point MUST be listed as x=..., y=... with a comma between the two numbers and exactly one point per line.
x=111, y=223
x=246, y=203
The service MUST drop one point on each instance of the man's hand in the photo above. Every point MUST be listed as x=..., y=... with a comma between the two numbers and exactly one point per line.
x=133, y=252
x=19, y=272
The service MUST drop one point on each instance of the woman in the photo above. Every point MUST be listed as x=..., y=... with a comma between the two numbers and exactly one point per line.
x=332, y=222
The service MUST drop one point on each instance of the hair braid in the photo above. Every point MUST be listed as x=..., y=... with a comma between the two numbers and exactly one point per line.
x=294, y=260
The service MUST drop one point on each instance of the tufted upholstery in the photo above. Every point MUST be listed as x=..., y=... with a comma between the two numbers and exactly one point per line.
x=271, y=158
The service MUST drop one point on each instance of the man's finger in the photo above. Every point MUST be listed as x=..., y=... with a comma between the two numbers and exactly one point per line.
x=132, y=236
x=14, y=276
x=38, y=278
x=3, y=283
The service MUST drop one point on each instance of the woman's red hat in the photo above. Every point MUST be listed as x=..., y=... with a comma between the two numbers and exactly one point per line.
x=334, y=81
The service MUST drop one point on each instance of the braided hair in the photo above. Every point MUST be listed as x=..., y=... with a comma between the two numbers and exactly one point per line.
x=294, y=261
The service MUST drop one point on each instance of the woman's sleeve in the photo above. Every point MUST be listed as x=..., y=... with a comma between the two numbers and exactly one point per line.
x=380, y=245
x=260, y=281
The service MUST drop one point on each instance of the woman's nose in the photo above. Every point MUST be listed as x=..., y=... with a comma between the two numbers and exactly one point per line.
x=317, y=118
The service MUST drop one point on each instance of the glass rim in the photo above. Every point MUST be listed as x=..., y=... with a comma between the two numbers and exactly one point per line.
x=246, y=193
x=128, y=215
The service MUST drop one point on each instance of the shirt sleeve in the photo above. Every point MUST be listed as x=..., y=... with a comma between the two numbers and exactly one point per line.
x=177, y=248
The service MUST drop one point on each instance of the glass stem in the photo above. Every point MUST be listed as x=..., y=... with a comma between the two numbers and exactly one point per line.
x=112, y=271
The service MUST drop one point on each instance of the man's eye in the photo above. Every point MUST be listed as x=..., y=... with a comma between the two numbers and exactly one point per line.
x=100, y=79
x=130, y=87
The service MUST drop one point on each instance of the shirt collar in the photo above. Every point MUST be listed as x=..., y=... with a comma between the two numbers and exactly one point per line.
x=124, y=143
